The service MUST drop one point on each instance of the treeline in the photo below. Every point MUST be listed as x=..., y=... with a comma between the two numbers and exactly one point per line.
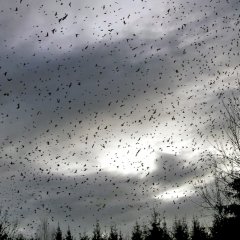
x=154, y=230
x=224, y=227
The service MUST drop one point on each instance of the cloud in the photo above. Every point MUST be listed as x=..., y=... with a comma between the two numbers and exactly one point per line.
x=111, y=198
x=117, y=114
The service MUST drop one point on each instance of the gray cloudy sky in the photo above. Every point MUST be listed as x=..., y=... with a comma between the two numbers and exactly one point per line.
x=103, y=104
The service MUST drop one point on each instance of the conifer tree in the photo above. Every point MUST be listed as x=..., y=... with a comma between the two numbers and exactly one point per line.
x=97, y=235
x=166, y=235
x=198, y=232
x=224, y=197
x=68, y=235
x=58, y=234
x=84, y=236
x=113, y=235
x=155, y=231
x=227, y=225
x=180, y=230
x=137, y=233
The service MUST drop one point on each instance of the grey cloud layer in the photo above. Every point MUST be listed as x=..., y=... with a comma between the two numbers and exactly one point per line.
x=105, y=196
x=65, y=97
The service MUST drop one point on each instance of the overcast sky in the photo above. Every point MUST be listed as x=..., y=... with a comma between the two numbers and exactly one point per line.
x=106, y=106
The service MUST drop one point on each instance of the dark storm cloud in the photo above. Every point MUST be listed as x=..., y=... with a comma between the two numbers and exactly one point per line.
x=75, y=81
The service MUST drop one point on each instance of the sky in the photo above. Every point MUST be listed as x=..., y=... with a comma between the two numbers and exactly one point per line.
x=107, y=107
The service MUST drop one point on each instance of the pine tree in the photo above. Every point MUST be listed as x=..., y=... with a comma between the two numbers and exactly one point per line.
x=166, y=235
x=155, y=231
x=233, y=209
x=198, y=232
x=58, y=234
x=224, y=197
x=97, y=232
x=68, y=235
x=180, y=230
x=137, y=233
x=218, y=229
x=83, y=236
x=113, y=235
x=227, y=225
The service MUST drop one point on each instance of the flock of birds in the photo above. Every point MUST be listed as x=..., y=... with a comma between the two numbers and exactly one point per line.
x=105, y=107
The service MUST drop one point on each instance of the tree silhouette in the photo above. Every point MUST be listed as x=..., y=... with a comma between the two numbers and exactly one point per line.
x=198, y=232
x=224, y=197
x=137, y=233
x=234, y=208
x=113, y=235
x=180, y=230
x=166, y=235
x=156, y=231
x=97, y=235
x=68, y=235
x=219, y=228
x=58, y=234
x=227, y=225
x=84, y=236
